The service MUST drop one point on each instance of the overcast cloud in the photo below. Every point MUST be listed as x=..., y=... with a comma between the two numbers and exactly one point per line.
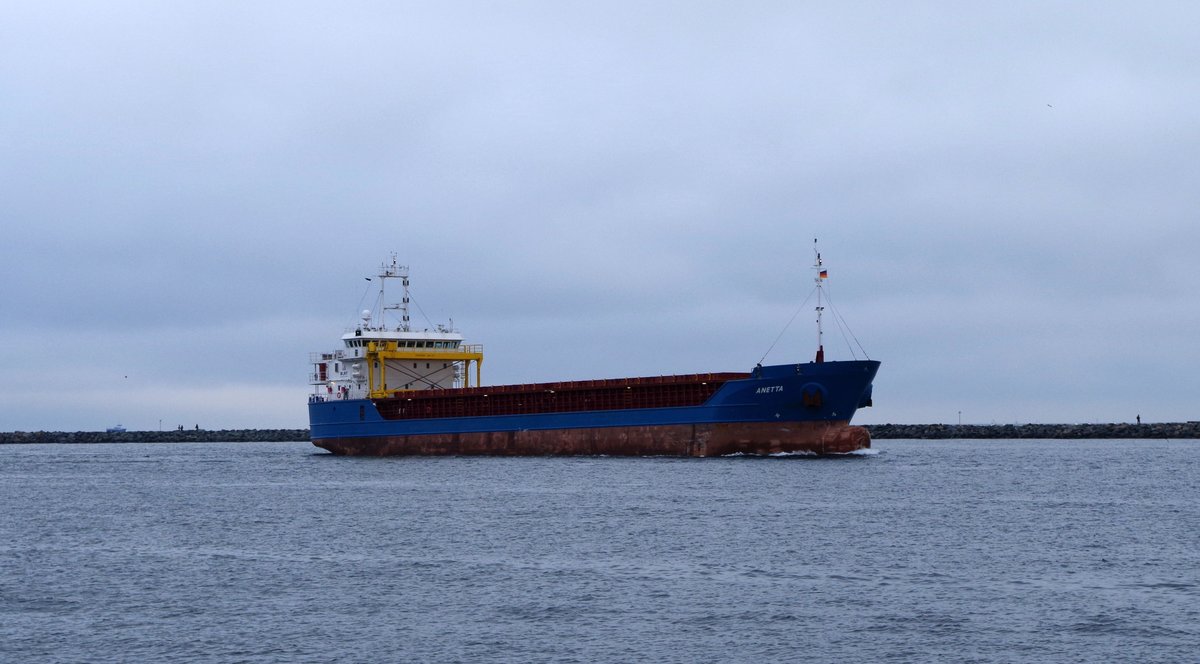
x=1005, y=195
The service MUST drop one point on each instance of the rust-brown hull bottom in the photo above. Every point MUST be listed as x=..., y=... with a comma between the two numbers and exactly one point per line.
x=690, y=440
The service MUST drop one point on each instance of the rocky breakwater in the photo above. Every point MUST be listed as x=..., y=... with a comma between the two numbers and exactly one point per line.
x=173, y=436
x=1044, y=431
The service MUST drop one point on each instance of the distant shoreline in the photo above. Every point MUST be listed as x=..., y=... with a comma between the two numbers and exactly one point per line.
x=1045, y=431
x=878, y=432
x=172, y=436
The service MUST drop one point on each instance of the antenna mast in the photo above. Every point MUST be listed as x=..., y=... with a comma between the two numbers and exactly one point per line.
x=822, y=274
x=400, y=272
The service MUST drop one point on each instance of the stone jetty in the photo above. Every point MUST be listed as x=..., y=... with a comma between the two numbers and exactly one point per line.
x=1043, y=431
x=172, y=436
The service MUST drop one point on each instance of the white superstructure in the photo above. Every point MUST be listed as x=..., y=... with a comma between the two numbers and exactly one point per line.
x=377, y=361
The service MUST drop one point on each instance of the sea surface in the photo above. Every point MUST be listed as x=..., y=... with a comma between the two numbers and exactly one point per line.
x=963, y=551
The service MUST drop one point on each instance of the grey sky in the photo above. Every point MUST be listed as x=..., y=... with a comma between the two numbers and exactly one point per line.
x=1005, y=194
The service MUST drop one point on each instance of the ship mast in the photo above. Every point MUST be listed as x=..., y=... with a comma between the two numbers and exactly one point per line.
x=822, y=274
x=393, y=271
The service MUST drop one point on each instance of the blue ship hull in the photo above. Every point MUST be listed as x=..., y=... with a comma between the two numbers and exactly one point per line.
x=781, y=408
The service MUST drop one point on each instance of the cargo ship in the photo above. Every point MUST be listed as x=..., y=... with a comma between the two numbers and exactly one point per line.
x=395, y=390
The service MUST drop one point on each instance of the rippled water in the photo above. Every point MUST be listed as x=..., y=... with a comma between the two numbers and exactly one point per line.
x=987, y=551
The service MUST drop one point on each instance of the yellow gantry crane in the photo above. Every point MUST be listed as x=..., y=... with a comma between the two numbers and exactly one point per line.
x=379, y=353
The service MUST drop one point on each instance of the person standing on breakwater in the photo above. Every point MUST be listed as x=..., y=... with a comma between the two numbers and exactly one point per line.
x=1139, y=418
